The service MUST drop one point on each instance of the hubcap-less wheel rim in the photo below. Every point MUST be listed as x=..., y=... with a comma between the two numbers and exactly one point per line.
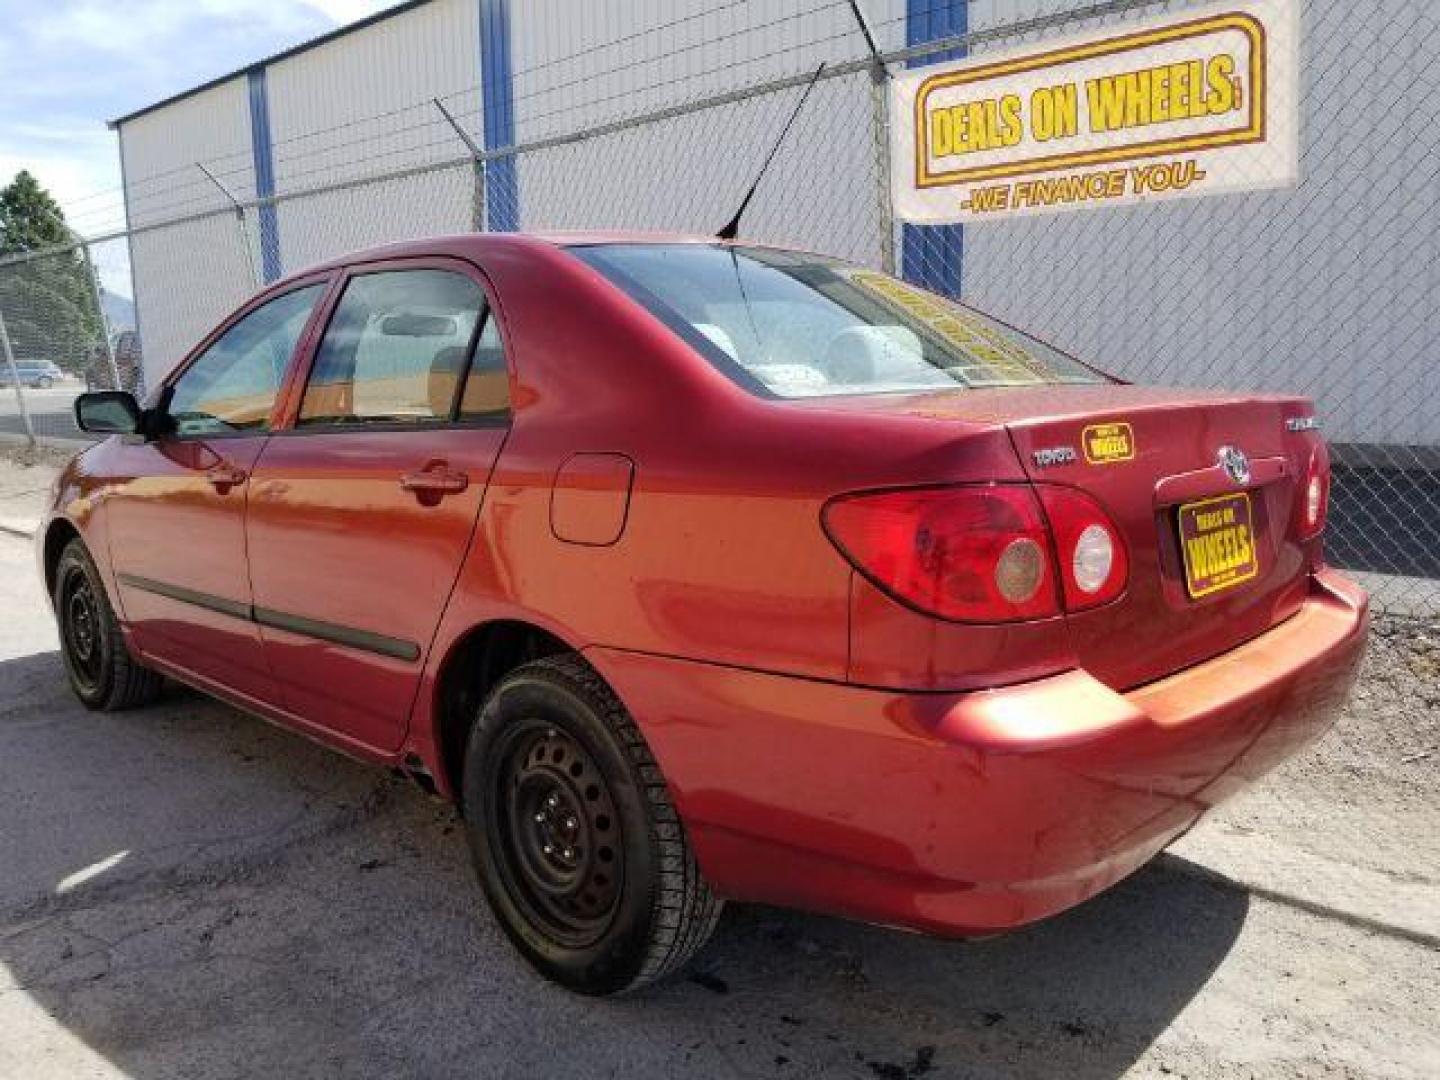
x=556, y=834
x=82, y=629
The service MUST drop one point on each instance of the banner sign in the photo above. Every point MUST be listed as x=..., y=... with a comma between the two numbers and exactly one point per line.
x=1201, y=102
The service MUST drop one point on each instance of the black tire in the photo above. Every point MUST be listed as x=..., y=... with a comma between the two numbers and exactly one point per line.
x=616, y=900
x=102, y=672
x=45, y=383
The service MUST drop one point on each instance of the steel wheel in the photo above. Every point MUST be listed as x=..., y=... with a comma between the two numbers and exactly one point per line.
x=556, y=833
x=580, y=851
x=81, y=629
x=102, y=672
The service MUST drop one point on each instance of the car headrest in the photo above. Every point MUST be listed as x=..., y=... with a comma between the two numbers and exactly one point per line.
x=860, y=354
x=446, y=371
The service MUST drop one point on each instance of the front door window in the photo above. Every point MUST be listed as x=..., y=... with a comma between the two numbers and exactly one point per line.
x=231, y=387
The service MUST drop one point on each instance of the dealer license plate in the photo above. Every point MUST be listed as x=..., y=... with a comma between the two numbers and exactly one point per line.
x=1217, y=539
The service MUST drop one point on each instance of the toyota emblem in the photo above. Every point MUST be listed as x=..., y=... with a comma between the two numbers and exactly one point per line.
x=1235, y=464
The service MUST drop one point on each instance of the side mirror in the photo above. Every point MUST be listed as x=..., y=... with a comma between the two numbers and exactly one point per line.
x=108, y=412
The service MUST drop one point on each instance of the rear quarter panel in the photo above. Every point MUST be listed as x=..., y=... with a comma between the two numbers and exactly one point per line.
x=722, y=558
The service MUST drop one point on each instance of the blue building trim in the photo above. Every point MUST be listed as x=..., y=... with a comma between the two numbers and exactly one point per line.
x=260, y=152
x=497, y=112
x=933, y=256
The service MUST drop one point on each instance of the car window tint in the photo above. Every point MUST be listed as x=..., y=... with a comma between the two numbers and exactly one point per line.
x=232, y=385
x=395, y=350
x=797, y=325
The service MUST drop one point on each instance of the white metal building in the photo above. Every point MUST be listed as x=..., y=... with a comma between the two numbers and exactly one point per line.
x=359, y=101
x=1310, y=289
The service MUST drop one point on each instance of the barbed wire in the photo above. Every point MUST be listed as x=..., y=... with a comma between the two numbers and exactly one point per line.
x=204, y=199
x=199, y=191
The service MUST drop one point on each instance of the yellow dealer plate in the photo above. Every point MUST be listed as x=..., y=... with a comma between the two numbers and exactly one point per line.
x=1217, y=539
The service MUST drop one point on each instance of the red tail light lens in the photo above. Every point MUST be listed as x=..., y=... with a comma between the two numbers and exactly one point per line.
x=1094, y=566
x=1314, y=500
x=971, y=554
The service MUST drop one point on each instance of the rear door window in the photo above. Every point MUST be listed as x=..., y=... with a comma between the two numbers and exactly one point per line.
x=398, y=351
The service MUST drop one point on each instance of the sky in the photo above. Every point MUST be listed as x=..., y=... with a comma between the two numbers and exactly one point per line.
x=67, y=66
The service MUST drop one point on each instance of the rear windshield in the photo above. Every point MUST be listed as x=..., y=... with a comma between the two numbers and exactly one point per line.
x=798, y=325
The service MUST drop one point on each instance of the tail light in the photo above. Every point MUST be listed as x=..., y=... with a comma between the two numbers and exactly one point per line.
x=1094, y=566
x=982, y=553
x=1314, y=501
x=971, y=554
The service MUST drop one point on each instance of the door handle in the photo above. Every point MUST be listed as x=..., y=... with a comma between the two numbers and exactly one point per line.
x=225, y=476
x=435, y=481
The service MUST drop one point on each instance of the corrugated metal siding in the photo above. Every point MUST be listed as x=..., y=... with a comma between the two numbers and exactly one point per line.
x=1328, y=290
x=360, y=104
x=580, y=65
x=186, y=277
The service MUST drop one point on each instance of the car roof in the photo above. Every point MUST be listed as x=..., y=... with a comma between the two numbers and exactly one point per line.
x=474, y=245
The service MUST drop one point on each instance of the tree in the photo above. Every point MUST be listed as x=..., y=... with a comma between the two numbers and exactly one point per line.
x=48, y=301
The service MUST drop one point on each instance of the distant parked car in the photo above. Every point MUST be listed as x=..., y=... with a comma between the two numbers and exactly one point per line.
x=41, y=374
x=698, y=571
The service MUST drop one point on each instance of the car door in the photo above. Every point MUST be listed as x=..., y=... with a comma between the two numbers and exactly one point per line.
x=177, y=514
x=363, y=504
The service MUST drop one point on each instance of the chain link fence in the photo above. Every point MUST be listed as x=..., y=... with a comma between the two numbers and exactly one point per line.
x=1327, y=288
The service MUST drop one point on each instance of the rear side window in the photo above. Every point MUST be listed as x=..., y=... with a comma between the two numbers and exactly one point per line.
x=398, y=351
x=232, y=385
x=487, y=387
x=794, y=325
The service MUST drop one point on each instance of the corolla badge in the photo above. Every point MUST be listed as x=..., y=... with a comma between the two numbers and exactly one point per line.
x=1054, y=455
x=1235, y=464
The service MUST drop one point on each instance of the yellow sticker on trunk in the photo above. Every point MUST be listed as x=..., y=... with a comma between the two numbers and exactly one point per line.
x=1105, y=443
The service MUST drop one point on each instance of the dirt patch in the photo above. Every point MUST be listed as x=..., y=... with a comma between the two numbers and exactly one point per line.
x=41, y=454
x=1368, y=793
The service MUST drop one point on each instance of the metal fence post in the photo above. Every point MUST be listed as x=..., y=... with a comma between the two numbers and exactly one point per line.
x=15, y=377
x=255, y=279
x=880, y=132
x=477, y=211
x=880, y=121
x=100, y=312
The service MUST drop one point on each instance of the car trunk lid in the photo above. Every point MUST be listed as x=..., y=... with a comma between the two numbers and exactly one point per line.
x=1152, y=452
x=1213, y=551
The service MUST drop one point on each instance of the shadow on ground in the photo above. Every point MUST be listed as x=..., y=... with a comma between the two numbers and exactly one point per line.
x=265, y=907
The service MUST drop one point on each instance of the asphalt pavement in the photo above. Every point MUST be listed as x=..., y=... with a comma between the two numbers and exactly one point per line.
x=189, y=892
x=52, y=411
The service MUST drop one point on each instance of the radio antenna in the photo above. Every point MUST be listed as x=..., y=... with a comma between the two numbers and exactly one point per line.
x=732, y=228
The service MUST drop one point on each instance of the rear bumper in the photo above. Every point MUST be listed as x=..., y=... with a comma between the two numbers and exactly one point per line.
x=970, y=813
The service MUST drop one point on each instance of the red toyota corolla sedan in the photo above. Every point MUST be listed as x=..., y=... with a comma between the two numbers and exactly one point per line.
x=696, y=570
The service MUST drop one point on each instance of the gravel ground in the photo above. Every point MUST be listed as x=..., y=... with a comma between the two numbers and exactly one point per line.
x=1382, y=761
x=187, y=892
x=1353, y=826
x=25, y=476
